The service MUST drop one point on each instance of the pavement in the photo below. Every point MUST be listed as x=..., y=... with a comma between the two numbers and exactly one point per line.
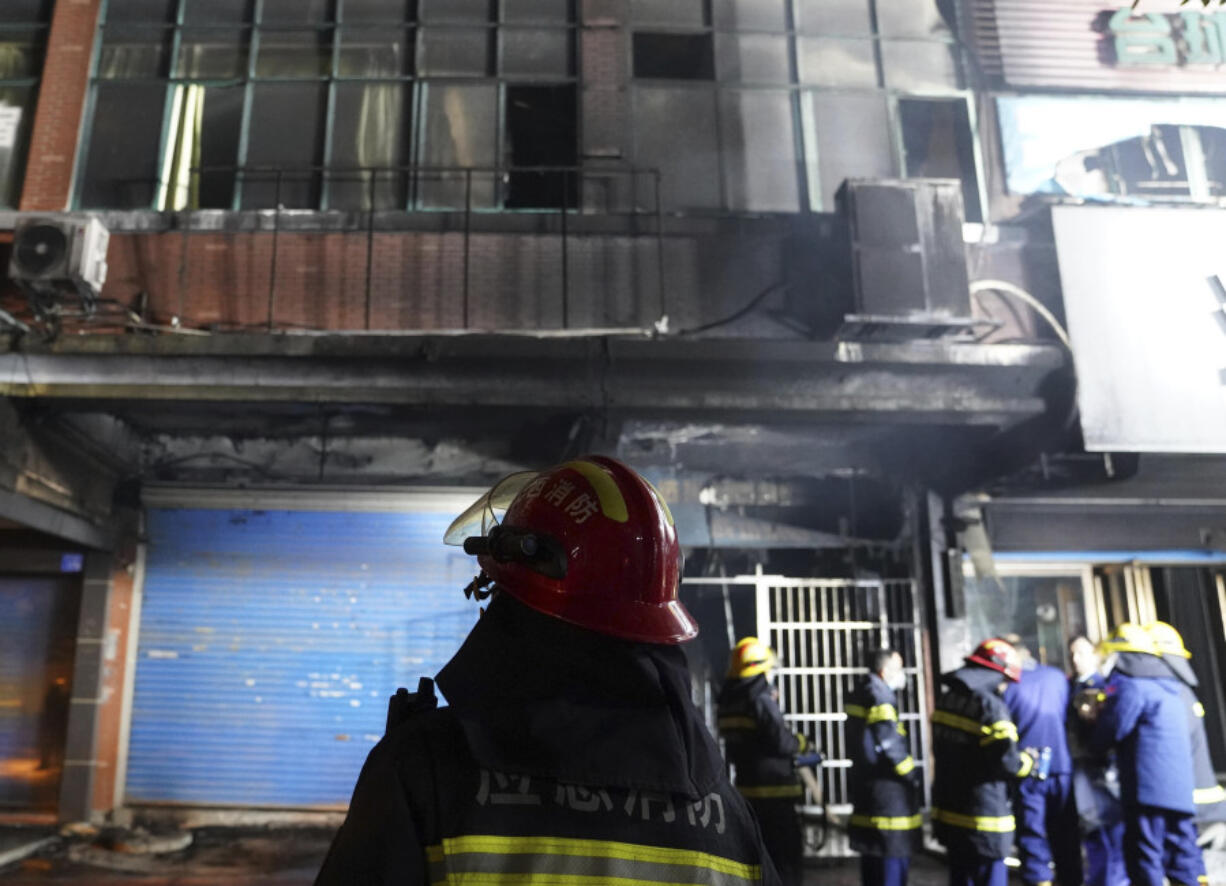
x=291, y=857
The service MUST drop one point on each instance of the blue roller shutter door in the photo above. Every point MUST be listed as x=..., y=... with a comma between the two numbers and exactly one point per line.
x=270, y=641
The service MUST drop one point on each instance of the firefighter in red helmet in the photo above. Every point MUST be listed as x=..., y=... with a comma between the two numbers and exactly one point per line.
x=570, y=747
x=976, y=760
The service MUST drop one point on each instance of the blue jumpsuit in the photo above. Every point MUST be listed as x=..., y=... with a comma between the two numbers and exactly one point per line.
x=1145, y=720
x=1096, y=792
x=1046, y=812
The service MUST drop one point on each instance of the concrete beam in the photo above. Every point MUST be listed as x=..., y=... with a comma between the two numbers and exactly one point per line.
x=931, y=383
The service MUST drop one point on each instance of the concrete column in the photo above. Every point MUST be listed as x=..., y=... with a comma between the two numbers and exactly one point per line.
x=81, y=750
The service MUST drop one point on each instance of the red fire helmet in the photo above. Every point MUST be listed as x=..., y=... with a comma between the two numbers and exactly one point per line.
x=590, y=542
x=997, y=655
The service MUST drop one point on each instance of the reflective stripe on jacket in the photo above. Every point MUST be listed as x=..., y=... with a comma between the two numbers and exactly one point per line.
x=975, y=757
x=885, y=818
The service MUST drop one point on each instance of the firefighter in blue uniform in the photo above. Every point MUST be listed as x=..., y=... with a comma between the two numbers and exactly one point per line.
x=570, y=750
x=1095, y=776
x=976, y=761
x=1047, y=830
x=885, y=820
x=1143, y=716
x=763, y=749
x=1208, y=796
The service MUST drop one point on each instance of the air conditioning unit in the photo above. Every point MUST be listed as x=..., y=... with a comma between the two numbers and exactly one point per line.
x=54, y=256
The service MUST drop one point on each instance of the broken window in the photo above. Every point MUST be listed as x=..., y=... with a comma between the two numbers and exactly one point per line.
x=1137, y=150
x=937, y=143
x=541, y=130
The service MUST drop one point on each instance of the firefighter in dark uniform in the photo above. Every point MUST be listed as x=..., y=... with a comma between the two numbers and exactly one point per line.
x=763, y=749
x=976, y=761
x=1207, y=795
x=1096, y=788
x=885, y=795
x=1047, y=830
x=570, y=750
x=1144, y=718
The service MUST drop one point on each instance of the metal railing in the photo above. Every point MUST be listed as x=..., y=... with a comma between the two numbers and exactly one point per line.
x=567, y=197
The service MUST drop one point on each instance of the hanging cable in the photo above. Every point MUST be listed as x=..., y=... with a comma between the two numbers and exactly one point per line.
x=1007, y=288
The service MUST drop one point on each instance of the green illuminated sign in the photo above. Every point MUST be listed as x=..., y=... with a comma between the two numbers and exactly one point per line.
x=1182, y=38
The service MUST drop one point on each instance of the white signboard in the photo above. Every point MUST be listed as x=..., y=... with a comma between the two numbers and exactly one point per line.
x=10, y=119
x=1145, y=297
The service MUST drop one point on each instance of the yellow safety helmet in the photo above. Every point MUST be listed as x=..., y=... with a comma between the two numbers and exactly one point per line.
x=750, y=658
x=1167, y=639
x=1129, y=637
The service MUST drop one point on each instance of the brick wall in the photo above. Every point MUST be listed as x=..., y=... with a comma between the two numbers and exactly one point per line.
x=417, y=279
x=61, y=101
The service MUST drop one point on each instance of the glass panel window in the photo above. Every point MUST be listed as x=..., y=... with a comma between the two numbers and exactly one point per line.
x=122, y=167
x=470, y=11
x=132, y=52
x=212, y=53
x=140, y=11
x=25, y=11
x=674, y=56
x=919, y=65
x=544, y=11
x=16, y=115
x=853, y=140
x=21, y=53
x=536, y=53
x=460, y=131
x=455, y=52
x=673, y=13
x=296, y=12
x=285, y=134
x=217, y=12
x=837, y=62
x=759, y=149
x=294, y=53
x=375, y=52
x=752, y=58
x=833, y=18
x=690, y=178
x=911, y=18
x=1045, y=611
x=221, y=120
x=370, y=131
x=357, y=11
x=750, y=15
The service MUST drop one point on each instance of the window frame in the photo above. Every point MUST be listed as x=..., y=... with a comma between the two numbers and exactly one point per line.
x=411, y=78
x=32, y=82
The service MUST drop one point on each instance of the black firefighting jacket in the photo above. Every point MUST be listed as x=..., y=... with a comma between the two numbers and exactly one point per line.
x=976, y=759
x=758, y=740
x=563, y=755
x=1209, y=797
x=885, y=819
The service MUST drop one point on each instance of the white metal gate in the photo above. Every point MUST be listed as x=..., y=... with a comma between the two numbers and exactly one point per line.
x=823, y=631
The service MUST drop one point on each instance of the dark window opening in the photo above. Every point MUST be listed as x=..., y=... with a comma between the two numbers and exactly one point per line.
x=674, y=56
x=219, y=135
x=937, y=143
x=542, y=131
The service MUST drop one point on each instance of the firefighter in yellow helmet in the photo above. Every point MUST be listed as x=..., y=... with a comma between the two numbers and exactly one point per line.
x=762, y=748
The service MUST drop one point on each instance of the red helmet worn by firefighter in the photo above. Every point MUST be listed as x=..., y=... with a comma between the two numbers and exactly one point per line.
x=589, y=542
x=997, y=655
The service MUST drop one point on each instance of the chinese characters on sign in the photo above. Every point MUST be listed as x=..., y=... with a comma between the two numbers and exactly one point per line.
x=1183, y=38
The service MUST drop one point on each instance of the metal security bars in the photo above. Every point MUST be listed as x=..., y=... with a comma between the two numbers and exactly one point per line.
x=823, y=631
